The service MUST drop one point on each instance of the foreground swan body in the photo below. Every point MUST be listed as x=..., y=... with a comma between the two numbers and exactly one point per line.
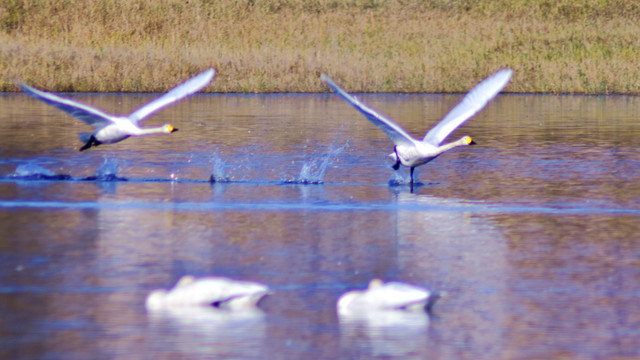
x=411, y=152
x=218, y=292
x=389, y=296
x=112, y=129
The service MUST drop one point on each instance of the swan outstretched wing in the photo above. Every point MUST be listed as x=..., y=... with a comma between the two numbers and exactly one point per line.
x=393, y=131
x=177, y=93
x=473, y=102
x=89, y=115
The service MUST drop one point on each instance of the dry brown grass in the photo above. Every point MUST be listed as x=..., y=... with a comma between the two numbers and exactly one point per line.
x=566, y=46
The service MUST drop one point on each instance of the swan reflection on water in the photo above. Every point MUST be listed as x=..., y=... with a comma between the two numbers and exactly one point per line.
x=385, y=333
x=207, y=332
x=452, y=242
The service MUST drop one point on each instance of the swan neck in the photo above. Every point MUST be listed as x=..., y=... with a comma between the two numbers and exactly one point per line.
x=148, y=131
x=451, y=145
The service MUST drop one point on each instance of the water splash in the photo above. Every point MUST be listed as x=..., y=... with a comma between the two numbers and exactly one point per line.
x=36, y=172
x=218, y=174
x=399, y=178
x=107, y=171
x=313, y=172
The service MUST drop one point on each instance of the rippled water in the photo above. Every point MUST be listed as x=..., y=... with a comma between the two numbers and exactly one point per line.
x=532, y=234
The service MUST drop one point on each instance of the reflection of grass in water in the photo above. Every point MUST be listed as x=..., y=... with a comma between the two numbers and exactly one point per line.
x=283, y=45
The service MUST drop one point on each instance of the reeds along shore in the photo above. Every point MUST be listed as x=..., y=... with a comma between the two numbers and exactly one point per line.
x=564, y=46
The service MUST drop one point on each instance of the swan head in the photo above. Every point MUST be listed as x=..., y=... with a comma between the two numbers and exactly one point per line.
x=375, y=283
x=467, y=140
x=169, y=129
x=185, y=280
x=155, y=300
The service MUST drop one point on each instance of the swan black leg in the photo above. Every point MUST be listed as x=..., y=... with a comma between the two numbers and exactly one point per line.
x=396, y=166
x=91, y=142
x=411, y=180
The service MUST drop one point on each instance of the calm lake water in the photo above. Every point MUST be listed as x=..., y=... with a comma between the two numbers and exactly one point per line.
x=533, y=234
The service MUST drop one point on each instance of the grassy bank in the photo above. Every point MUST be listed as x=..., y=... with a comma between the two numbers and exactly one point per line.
x=564, y=46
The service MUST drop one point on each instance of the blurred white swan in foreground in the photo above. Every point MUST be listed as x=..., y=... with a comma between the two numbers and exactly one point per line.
x=212, y=291
x=112, y=129
x=411, y=152
x=380, y=296
x=387, y=319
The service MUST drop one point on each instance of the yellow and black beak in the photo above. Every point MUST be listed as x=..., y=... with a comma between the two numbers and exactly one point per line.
x=469, y=140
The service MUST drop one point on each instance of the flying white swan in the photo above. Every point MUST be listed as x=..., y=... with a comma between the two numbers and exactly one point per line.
x=381, y=296
x=218, y=292
x=411, y=152
x=112, y=129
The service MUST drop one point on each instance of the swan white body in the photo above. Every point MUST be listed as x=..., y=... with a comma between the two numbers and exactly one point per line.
x=411, y=152
x=389, y=296
x=218, y=292
x=112, y=129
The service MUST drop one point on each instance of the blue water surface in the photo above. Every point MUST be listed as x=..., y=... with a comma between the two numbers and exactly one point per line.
x=531, y=234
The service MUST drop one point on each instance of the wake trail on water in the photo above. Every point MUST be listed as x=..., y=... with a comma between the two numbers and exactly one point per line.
x=32, y=171
x=107, y=171
x=312, y=172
